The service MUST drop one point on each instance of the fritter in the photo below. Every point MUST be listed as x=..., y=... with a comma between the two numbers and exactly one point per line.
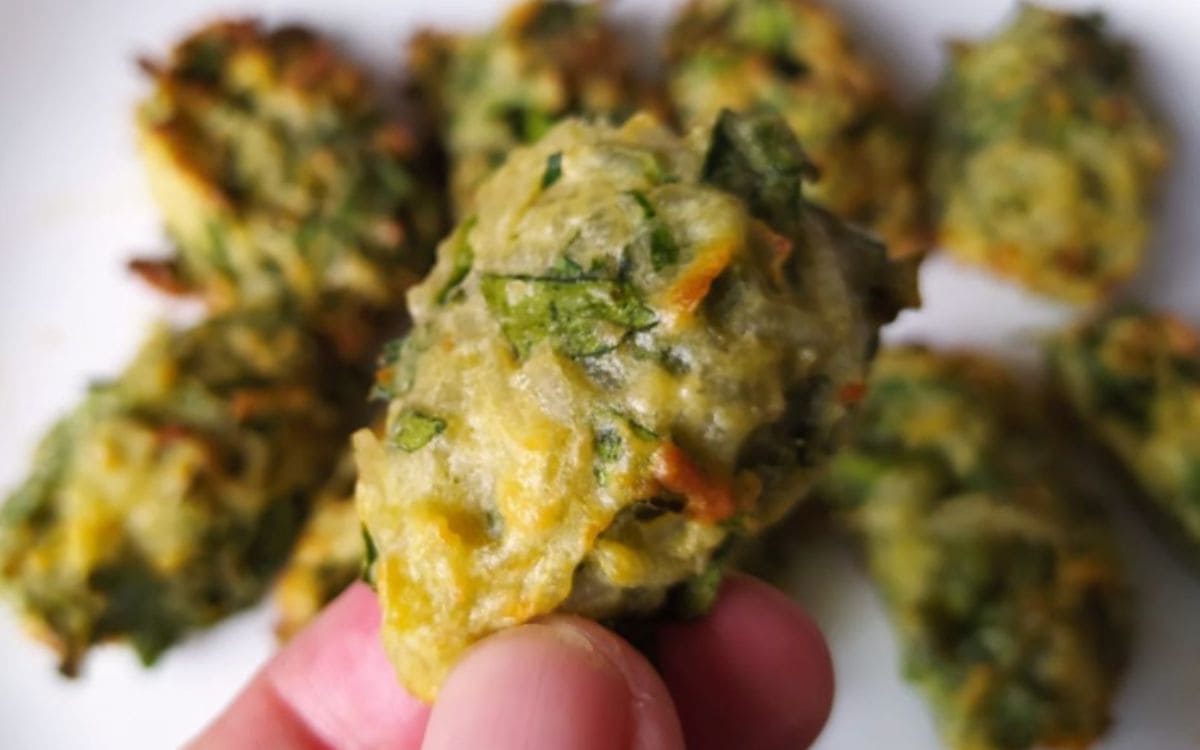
x=1002, y=580
x=328, y=556
x=280, y=177
x=170, y=496
x=794, y=56
x=635, y=350
x=490, y=92
x=1132, y=380
x=1044, y=155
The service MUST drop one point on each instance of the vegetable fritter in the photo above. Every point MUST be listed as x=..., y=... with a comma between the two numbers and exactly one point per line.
x=636, y=349
x=279, y=175
x=172, y=494
x=328, y=556
x=548, y=59
x=794, y=56
x=1044, y=156
x=1002, y=581
x=1132, y=379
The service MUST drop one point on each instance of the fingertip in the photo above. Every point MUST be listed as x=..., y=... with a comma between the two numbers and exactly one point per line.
x=563, y=682
x=336, y=675
x=755, y=673
x=331, y=686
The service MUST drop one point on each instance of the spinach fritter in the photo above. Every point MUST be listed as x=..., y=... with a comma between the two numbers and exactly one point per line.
x=1044, y=156
x=1002, y=582
x=490, y=92
x=170, y=496
x=636, y=349
x=280, y=177
x=794, y=56
x=1132, y=379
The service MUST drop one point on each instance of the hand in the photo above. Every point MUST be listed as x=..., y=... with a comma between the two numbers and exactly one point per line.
x=755, y=674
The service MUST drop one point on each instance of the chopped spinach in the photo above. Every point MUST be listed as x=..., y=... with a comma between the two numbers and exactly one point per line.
x=413, y=429
x=137, y=603
x=663, y=249
x=579, y=318
x=607, y=446
x=553, y=170
x=526, y=123
x=693, y=598
x=370, y=555
x=464, y=257
x=566, y=269
x=613, y=434
x=756, y=156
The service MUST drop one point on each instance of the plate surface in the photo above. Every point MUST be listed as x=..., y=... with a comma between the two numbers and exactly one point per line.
x=75, y=207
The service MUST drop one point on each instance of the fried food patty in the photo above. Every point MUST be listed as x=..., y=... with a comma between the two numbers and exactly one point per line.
x=279, y=175
x=634, y=350
x=1044, y=155
x=1132, y=380
x=171, y=495
x=1001, y=580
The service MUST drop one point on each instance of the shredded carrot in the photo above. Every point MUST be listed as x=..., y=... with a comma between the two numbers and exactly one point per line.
x=851, y=393
x=696, y=280
x=709, y=499
x=396, y=139
x=1180, y=336
x=163, y=275
x=171, y=433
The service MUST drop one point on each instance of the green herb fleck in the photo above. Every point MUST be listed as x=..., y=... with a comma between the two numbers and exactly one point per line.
x=370, y=555
x=613, y=434
x=693, y=598
x=663, y=250
x=553, y=170
x=607, y=447
x=527, y=124
x=565, y=269
x=464, y=257
x=580, y=318
x=412, y=430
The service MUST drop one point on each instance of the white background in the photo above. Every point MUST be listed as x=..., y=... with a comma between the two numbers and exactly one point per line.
x=73, y=207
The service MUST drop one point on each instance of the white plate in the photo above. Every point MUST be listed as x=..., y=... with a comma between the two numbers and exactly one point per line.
x=75, y=206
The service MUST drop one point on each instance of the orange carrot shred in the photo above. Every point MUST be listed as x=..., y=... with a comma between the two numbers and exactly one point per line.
x=709, y=499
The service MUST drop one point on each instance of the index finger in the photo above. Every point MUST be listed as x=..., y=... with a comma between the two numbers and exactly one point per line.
x=332, y=686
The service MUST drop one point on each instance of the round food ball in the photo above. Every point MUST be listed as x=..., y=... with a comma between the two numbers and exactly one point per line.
x=280, y=177
x=170, y=496
x=637, y=348
x=1044, y=156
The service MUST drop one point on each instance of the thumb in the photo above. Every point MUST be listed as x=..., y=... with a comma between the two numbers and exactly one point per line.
x=561, y=684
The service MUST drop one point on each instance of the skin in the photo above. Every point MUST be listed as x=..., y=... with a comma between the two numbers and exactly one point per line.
x=755, y=674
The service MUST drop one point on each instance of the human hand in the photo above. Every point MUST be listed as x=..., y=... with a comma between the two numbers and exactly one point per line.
x=754, y=674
